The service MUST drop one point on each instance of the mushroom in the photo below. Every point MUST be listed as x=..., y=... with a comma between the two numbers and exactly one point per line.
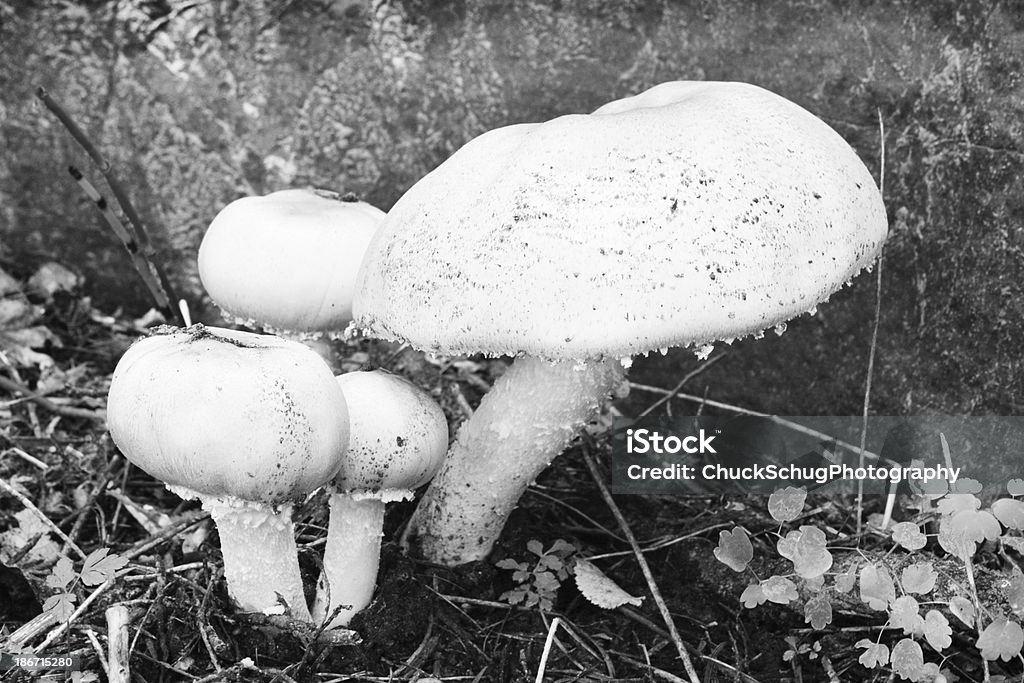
x=247, y=424
x=690, y=213
x=397, y=438
x=288, y=260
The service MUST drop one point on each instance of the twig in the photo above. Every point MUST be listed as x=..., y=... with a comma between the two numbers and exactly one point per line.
x=675, y=390
x=30, y=459
x=664, y=543
x=874, y=333
x=547, y=650
x=43, y=402
x=166, y=534
x=134, y=219
x=145, y=268
x=427, y=645
x=788, y=424
x=29, y=505
x=98, y=649
x=118, y=670
x=534, y=490
x=655, y=671
x=644, y=567
x=30, y=629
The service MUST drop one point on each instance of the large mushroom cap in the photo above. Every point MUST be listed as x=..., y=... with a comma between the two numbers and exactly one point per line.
x=686, y=214
x=288, y=260
x=229, y=414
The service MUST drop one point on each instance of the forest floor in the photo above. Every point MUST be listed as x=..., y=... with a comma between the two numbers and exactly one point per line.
x=68, y=493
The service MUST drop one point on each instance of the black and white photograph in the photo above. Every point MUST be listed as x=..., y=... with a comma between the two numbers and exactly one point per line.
x=511, y=341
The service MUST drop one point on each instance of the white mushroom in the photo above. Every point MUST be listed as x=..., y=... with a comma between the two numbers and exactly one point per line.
x=397, y=438
x=288, y=260
x=247, y=424
x=690, y=213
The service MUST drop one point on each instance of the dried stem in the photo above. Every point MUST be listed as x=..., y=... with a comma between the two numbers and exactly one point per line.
x=666, y=615
x=135, y=223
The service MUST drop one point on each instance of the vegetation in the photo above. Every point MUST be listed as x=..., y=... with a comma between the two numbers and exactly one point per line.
x=196, y=104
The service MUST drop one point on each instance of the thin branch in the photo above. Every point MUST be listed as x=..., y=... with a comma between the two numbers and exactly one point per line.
x=134, y=219
x=874, y=337
x=795, y=426
x=47, y=404
x=30, y=506
x=144, y=267
x=652, y=585
x=675, y=390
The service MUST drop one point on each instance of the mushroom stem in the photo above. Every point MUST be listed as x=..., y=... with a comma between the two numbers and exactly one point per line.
x=351, y=557
x=532, y=414
x=261, y=564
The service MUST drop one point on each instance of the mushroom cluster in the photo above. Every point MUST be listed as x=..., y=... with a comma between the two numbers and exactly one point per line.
x=690, y=213
x=250, y=423
x=246, y=423
x=687, y=214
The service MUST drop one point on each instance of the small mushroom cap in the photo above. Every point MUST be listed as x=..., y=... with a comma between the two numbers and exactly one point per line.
x=693, y=212
x=288, y=260
x=229, y=414
x=398, y=435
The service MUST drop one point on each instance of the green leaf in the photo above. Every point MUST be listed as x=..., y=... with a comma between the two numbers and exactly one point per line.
x=545, y=582
x=535, y=547
x=509, y=563
x=1002, y=639
x=907, y=659
x=904, y=613
x=61, y=606
x=552, y=562
x=962, y=609
x=806, y=549
x=1013, y=590
x=753, y=595
x=99, y=566
x=954, y=540
x=62, y=575
x=957, y=502
x=876, y=587
x=847, y=580
x=1010, y=512
x=937, y=631
x=919, y=578
x=875, y=654
x=818, y=612
x=779, y=589
x=734, y=549
x=562, y=548
x=786, y=504
x=966, y=485
x=908, y=535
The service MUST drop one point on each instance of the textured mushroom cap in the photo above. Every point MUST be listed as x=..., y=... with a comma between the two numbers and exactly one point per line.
x=229, y=414
x=398, y=435
x=289, y=259
x=686, y=214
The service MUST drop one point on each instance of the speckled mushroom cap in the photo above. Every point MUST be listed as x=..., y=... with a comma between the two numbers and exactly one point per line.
x=228, y=414
x=693, y=212
x=398, y=435
x=288, y=260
